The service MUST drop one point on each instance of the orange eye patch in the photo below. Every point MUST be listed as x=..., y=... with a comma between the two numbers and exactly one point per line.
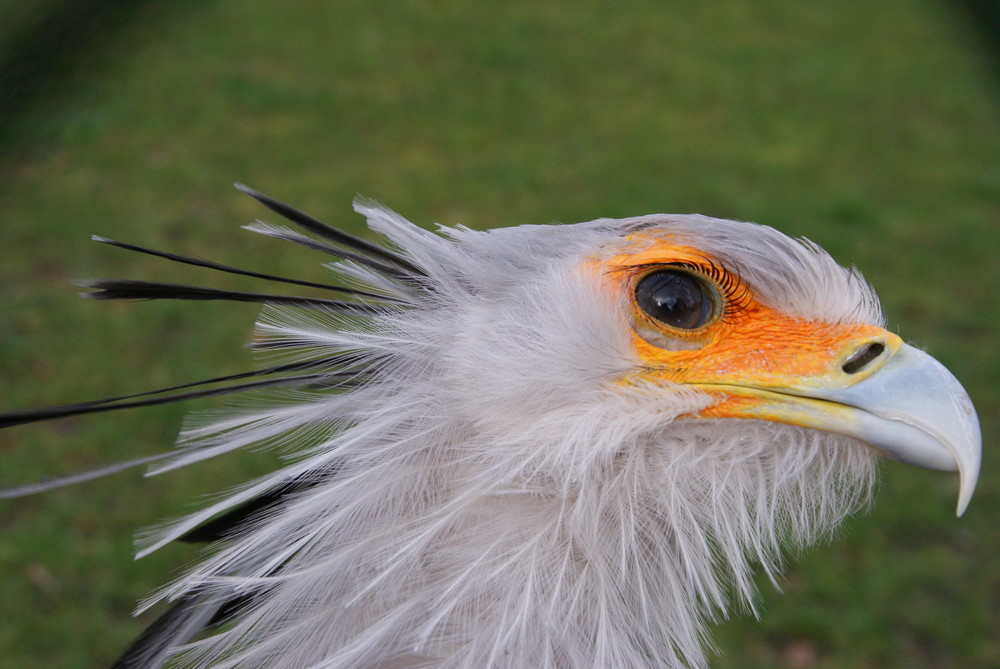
x=679, y=337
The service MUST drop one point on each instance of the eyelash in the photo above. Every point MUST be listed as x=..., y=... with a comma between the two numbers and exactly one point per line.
x=734, y=293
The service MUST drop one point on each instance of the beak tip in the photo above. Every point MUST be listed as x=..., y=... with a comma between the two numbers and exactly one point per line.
x=967, y=487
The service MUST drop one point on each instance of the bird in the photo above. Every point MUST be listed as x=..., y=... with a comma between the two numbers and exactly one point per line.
x=551, y=446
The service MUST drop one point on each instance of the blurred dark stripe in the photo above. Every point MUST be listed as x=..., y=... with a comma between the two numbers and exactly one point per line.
x=984, y=18
x=58, y=37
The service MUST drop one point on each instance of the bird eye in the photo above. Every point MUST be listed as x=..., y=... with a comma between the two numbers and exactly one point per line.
x=676, y=298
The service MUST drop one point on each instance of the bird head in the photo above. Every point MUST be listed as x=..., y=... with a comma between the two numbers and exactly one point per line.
x=551, y=446
x=772, y=329
x=670, y=321
x=639, y=411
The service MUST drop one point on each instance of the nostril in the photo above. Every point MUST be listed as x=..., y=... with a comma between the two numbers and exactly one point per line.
x=863, y=356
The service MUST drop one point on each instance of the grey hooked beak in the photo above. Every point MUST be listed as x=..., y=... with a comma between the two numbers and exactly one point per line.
x=915, y=411
x=905, y=404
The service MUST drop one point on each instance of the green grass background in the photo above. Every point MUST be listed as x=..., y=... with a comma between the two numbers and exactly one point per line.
x=871, y=127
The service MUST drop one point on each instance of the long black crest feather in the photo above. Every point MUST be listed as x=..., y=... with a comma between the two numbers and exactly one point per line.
x=152, y=646
x=12, y=418
x=209, y=264
x=219, y=527
x=287, y=234
x=338, y=371
x=128, y=289
x=341, y=361
x=328, y=232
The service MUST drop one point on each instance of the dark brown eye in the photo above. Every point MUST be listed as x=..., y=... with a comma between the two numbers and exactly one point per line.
x=675, y=298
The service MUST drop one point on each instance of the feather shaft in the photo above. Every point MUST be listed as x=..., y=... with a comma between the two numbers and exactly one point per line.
x=329, y=232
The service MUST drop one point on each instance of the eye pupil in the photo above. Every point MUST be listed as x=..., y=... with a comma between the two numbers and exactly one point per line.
x=675, y=298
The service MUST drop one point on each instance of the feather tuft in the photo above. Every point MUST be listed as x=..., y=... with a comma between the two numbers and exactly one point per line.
x=477, y=474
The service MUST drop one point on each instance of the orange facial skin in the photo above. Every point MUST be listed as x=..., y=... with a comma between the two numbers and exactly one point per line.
x=748, y=353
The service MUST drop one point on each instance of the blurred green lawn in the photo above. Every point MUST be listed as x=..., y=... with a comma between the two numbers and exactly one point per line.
x=872, y=128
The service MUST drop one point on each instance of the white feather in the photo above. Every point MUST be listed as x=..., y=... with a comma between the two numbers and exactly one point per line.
x=501, y=499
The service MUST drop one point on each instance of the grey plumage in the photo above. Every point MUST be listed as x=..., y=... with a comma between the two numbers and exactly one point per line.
x=498, y=460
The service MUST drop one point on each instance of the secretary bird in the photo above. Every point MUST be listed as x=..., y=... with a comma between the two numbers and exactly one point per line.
x=550, y=446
